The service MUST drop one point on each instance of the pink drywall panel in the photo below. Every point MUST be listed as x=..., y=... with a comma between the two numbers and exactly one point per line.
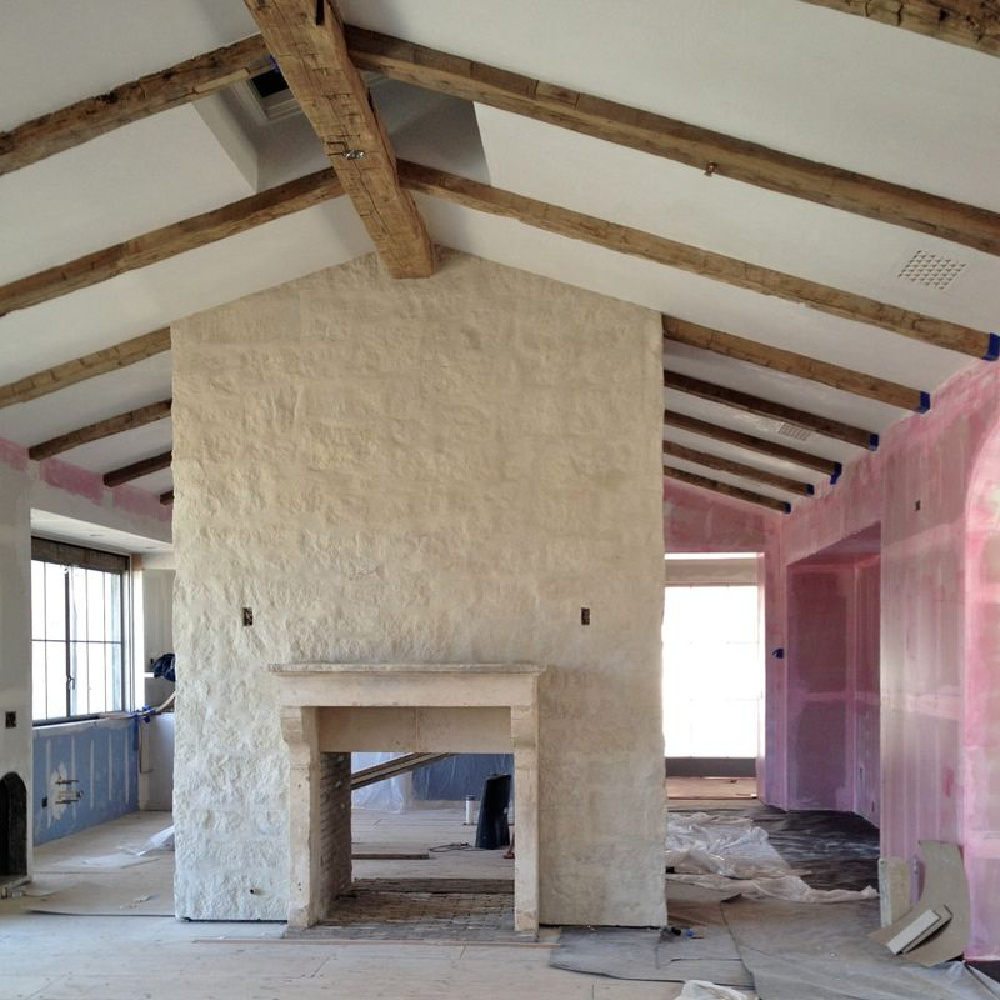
x=934, y=487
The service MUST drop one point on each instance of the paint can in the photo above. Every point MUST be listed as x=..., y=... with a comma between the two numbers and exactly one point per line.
x=470, y=810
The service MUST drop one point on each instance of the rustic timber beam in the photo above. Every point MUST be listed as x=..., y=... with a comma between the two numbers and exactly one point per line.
x=101, y=429
x=974, y=24
x=680, y=331
x=713, y=153
x=724, y=488
x=137, y=469
x=765, y=408
x=721, y=464
x=167, y=498
x=761, y=446
x=189, y=234
x=131, y=102
x=307, y=39
x=80, y=369
x=635, y=242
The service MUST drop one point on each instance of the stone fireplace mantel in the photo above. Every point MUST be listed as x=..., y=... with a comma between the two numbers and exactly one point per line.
x=329, y=708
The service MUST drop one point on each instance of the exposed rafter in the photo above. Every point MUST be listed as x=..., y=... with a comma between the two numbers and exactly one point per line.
x=682, y=422
x=137, y=469
x=90, y=365
x=766, y=408
x=712, y=152
x=189, y=234
x=307, y=39
x=624, y=239
x=730, y=491
x=167, y=498
x=721, y=464
x=169, y=88
x=101, y=429
x=680, y=331
x=974, y=24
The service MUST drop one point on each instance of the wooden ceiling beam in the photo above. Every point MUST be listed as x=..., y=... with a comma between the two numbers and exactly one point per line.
x=729, y=270
x=131, y=102
x=307, y=40
x=679, y=331
x=89, y=366
x=974, y=24
x=167, y=498
x=714, y=153
x=137, y=469
x=101, y=429
x=720, y=464
x=693, y=425
x=703, y=482
x=766, y=408
x=160, y=244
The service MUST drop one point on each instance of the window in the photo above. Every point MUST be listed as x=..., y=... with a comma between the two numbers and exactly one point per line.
x=713, y=674
x=77, y=631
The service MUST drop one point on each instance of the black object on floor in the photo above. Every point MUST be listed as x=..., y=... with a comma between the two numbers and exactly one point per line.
x=492, y=831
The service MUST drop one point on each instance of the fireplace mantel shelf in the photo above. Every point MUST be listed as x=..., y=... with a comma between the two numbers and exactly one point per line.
x=322, y=667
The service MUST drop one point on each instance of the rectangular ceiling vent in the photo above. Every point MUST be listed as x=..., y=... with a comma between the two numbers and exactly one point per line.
x=931, y=270
x=272, y=98
x=783, y=428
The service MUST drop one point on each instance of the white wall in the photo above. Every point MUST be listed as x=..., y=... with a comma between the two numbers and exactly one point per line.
x=15, y=627
x=439, y=470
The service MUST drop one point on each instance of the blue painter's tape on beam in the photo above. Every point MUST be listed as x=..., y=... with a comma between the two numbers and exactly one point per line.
x=836, y=474
x=993, y=351
x=925, y=402
x=788, y=507
x=872, y=442
x=811, y=490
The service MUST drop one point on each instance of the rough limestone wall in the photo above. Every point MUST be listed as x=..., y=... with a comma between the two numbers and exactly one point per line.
x=439, y=470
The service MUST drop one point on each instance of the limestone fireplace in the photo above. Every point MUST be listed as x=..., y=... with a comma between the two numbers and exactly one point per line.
x=330, y=709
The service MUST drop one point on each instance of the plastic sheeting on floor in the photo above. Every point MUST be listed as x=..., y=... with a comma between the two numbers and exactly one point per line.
x=724, y=849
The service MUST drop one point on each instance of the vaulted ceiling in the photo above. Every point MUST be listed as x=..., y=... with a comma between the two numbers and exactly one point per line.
x=811, y=88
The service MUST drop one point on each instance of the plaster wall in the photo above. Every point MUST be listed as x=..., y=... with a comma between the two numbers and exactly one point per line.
x=440, y=470
x=15, y=627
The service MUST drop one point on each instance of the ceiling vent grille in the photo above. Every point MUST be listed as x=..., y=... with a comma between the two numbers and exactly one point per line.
x=931, y=270
x=783, y=428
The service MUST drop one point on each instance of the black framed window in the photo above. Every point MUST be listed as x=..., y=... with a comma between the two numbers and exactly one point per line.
x=78, y=662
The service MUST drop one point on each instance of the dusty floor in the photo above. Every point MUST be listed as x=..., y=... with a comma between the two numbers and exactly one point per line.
x=47, y=956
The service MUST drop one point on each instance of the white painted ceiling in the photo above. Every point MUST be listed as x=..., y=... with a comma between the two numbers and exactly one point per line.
x=779, y=72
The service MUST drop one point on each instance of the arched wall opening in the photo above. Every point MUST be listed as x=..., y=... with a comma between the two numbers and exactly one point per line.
x=13, y=828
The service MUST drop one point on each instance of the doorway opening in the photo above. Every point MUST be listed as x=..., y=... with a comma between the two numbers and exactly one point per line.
x=713, y=675
x=834, y=687
x=13, y=828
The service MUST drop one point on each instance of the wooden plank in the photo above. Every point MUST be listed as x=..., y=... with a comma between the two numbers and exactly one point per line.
x=131, y=102
x=307, y=39
x=167, y=498
x=714, y=153
x=761, y=446
x=974, y=24
x=101, y=429
x=137, y=469
x=179, y=237
x=766, y=408
x=395, y=767
x=89, y=366
x=731, y=271
x=720, y=464
x=715, y=486
x=680, y=331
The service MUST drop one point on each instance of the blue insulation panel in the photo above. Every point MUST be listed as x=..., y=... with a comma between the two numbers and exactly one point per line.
x=85, y=773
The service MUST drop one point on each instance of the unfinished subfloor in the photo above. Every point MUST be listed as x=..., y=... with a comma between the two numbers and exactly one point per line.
x=99, y=954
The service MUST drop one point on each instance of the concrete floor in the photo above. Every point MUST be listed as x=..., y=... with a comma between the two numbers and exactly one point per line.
x=46, y=956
